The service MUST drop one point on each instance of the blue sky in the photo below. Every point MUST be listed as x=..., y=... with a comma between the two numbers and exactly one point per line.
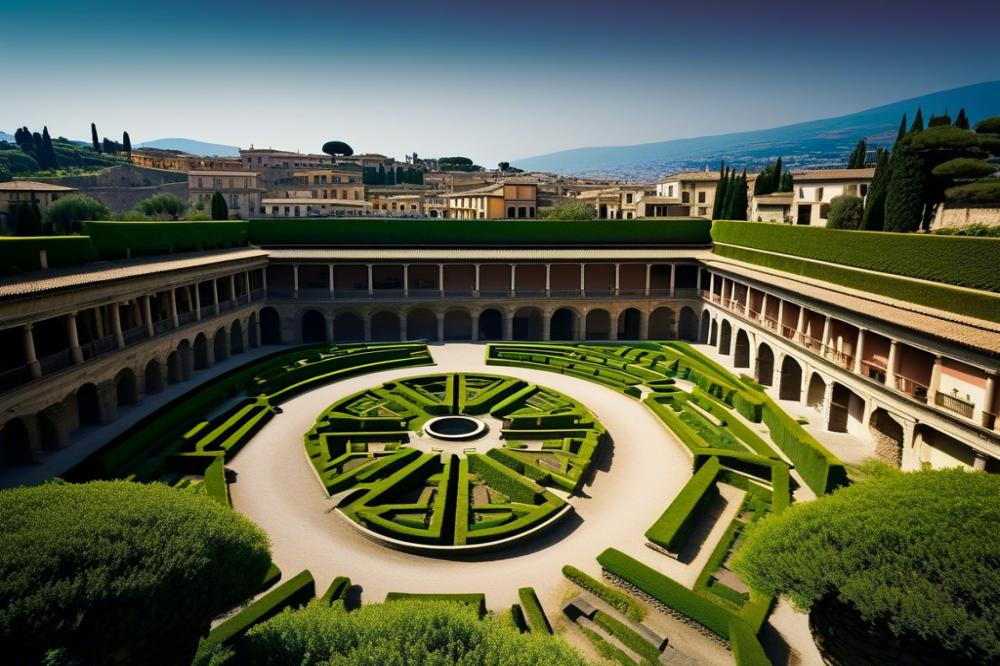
x=491, y=80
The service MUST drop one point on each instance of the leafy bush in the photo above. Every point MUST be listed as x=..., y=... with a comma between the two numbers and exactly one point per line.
x=22, y=254
x=988, y=125
x=338, y=589
x=747, y=650
x=670, y=525
x=576, y=210
x=984, y=192
x=533, y=611
x=475, y=600
x=66, y=214
x=623, y=603
x=162, y=206
x=401, y=632
x=987, y=230
x=916, y=551
x=112, y=239
x=964, y=167
x=112, y=567
x=845, y=212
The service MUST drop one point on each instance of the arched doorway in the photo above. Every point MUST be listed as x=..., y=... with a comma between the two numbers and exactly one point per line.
x=764, y=372
x=713, y=337
x=126, y=387
x=88, y=407
x=270, y=327
x=661, y=324
x=490, y=324
x=597, y=325
x=152, y=377
x=186, y=354
x=725, y=338
x=175, y=371
x=888, y=436
x=687, y=327
x=628, y=324
x=16, y=443
x=457, y=325
x=252, y=339
x=421, y=324
x=847, y=409
x=314, y=326
x=527, y=324
x=385, y=327
x=706, y=322
x=219, y=345
x=48, y=431
x=816, y=391
x=741, y=355
x=200, y=352
x=236, y=338
x=562, y=325
x=348, y=327
x=790, y=383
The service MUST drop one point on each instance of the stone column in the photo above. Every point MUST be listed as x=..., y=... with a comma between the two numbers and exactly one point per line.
x=74, y=338
x=29, y=352
x=746, y=304
x=979, y=464
x=441, y=280
x=475, y=324
x=800, y=325
x=891, y=366
x=147, y=316
x=174, y=319
x=513, y=279
x=263, y=280
x=935, y=380
x=406, y=280
x=508, y=325
x=645, y=291
x=215, y=294
x=197, y=303
x=403, y=333
x=246, y=285
x=295, y=281
x=711, y=285
x=826, y=337
x=244, y=337
x=827, y=404
x=643, y=324
x=548, y=280
x=781, y=317
x=763, y=308
x=859, y=352
x=618, y=267
x=371, y=281
x=583, y=279
x=440, y=326
x=116, y=325
x=232, y=289
x=99, y=321
x=329, y=277
x=697, y=284
x=580, y=326
x=673, y=278
x=476, y=294
x=328, y=318
x=989, y=398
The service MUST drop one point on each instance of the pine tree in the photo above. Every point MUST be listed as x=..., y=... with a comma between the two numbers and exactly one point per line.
x=108, y=146
x=93, y=138
x=739, y=210
x=904, y=204
x=787, y=182
x=720, y=192
x=220, y=211
x=126, y=143
x=48, y=152
x=729, y=206
x=857, y=158
x=873, y=218
x=962, y=121
x=399, y=175
x=918, y=122
x=902, y=130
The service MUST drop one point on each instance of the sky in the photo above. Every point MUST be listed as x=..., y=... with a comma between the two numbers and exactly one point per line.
x=489, y=80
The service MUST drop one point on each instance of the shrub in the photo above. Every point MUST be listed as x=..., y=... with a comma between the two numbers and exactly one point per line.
x=845, y=212
x=533, y=611
x=163, y=206
x=988, y=125
x=18, y=255
x=983, y=192
x=620, y=601
x=667, y=529
x=112, y=567
x=912, y=551
x=112, y=239
x=402, y=632
x=474, y=600
x=964, y=167
x=67, y=214
x=747, y=650
x=628, y=637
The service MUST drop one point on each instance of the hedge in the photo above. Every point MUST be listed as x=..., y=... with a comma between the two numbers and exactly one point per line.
x=486, y=233
x=612, y=596
x=476, y=600
x=628, y=637
x=501, y=478
x=961, y=261
x=21, y=254
x=296, y=591
x=980, y=305
x=337, y=591
x=215, y=481
x=667, y=529
x=747, y=650
x=113, y=240
x=537, y=621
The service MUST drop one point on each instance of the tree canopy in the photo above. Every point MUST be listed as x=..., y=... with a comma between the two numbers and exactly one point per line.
x=220, y=209
x=574, y=210
x=164, y=205
x=916, y=551
x=66, y=214
x=334, y=148
x=846, y=212
x=399, y=632
x=119, y=568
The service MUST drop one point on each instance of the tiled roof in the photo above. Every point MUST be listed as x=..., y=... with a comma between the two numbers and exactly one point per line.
x=38, y=282
x=833, y=174
x=692, y=175
x=33, y=186
x=486, y=254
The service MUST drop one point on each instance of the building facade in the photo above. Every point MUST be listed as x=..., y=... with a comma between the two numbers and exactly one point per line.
x=814, y=190
x=16, y=192
x=685, y=194
x=239, y=188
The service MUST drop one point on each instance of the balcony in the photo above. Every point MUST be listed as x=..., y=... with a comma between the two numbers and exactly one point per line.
x=134, y=334
x=98, y=347
x=955, y=404
x=872, y=371
x=15, y=377
x=55, y=362
x=912, y=388
x=162, y=326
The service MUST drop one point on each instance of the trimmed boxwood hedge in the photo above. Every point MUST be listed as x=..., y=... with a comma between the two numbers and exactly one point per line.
x=747, y=650
x=112, y=239
x=962, y=261
x=669, y=527
x=537, y=621
x=623, y=603
x=21, y=254
x=628, y=636
x=339, y=587
x=475, y=600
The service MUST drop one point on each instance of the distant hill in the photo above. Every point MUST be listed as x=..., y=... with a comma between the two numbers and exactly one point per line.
x=193, y=147
x=809, y=144
x=9, y=138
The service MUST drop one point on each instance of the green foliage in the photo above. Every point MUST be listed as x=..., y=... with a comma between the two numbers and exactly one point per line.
x=18, y=255
x=111, y=566
x=533, y=611
x=964, y=168
x=95, y=142
x=747, y=650
x=475, y=600
x=629, y=638
x=162, y=206
x=435, y=633
x=771, y=179
x=980, y=230
x=988, y=125
x=112, y=239
x=917, y=551
x=984, y=192
x=904, y=198
x=220, y=210
x=846, y=212
x=337, y=591
x=576, y=210
x=623, y=603
x=669, y=527
x=66, y=214
x=334, y=148
x=858, y=155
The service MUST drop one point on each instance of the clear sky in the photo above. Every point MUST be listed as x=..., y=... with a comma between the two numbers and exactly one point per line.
x=490, y=80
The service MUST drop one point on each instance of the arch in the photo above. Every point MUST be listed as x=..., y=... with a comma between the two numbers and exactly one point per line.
x=725, y=337
x=764, y=370
x=597, y=325
x=236, y=338
x=661, y=324
x=457, y=325
x=421, y=324
x=175, y=369
x=706, y=323
x=187, y=359
x=16, y=443
x=126, y=387
x=219, y=350
x=687, y=327
x=888, y=435
x=153, y=377
x=527, y=324
x=88, y=406
x=847, y=409
x=386, y=327
x=490, y=324
x=270, y=326
x=713, y=336
x=628, y=324
x=314, y=326
x=48, y=428
x=562, y=324
x=816, y=391
x=741, y=354
x=939, y=449
x=790, y=383
x=348, y=327
x=252, y=339
x=200, y=352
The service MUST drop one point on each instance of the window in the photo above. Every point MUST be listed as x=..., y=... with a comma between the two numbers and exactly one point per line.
x=628, y=215
x=864, y=190
x=628, y=198
x=802, y=193
x=685, y=197
x=702, y=211
x=670, y=191
x=522, y=211
x=701, y=197
x=819, y=196
x=824, y=211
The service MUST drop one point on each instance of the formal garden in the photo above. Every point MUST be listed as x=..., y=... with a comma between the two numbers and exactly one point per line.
x=149, y=552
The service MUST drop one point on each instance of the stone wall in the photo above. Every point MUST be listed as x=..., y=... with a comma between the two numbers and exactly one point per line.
x=120, y=188
x=961, y=217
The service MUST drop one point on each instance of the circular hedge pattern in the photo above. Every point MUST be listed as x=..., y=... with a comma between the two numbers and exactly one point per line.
x=370, y=451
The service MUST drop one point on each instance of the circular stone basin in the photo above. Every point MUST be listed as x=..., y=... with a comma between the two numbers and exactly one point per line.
x=455, y=428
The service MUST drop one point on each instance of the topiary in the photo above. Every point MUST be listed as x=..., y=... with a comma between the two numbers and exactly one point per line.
x=912, y=558
x=964, y=168
x=119, y=571
x=988, y=125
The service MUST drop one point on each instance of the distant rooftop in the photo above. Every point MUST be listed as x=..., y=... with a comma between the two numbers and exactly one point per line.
x=33, y=186
x=833, y=174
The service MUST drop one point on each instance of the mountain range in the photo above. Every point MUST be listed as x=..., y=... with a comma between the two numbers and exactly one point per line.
x=192, y=146
x=812, y=144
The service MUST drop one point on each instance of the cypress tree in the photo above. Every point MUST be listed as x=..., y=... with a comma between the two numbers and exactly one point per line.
x=728, y=209
x=739, y=211
x=962, y=121
x=126, y=143
x=918, y=122
x=904, y=204
x=787, y=183
x=873, y=218
x=48, y=153
x=902, y=130
x=399, y=175
x=720, y=192
x=220, y=211
x=857, y=158
x=93, y=138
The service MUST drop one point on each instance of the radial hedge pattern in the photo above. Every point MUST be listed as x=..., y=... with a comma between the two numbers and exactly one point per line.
x=366, y=445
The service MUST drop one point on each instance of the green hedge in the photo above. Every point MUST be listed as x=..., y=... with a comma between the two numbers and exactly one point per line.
x=628, y=636
x=505, y=480
x=667, y=529
x=475, y=600
x=537, y=621
x=961, y=261
x=296, y=591
x=489, y=233
x=112, y=239
x=612, y=596
x=981, y=305
x=21, y=254
x=337, y=591
x=747, y=650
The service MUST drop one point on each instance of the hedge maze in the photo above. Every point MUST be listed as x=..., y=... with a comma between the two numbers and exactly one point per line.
x=360, y=449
